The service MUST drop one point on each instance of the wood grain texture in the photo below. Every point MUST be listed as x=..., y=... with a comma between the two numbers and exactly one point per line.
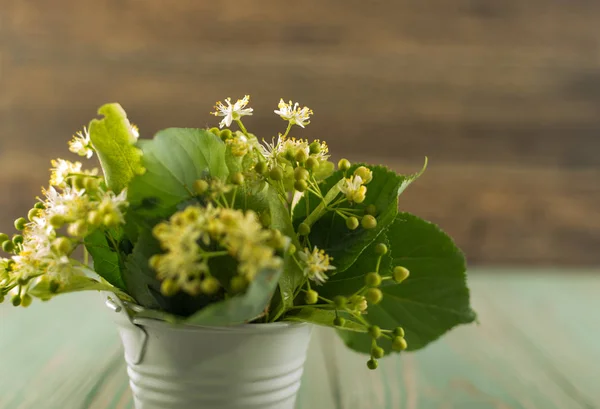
x=535, y=348
x=502, y=96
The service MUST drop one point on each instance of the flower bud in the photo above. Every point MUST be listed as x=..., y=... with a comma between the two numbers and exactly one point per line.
x=371, y=209
x=90, y=184
x=374, y=331
x=225, y=134
x=210, y=285
x=301, y=156
x=17, y=239
x=400, y=274
x=261, y=168
x=339, y=321
x=381, y=249
x=399, y=344
x=344, y=165
x=312, y=163
x=360, y=195
x=40, y=205
x=238, y=284
x=365, y=174
x=311, y=297
x=300, y=185
x=94, y=218
x=372, y=364
x=110, y=220
x=215, y=131
x=377, y=352
x=154, y=261
x=352, y=223
x=237, y=179
x=16, y=300
x=373, y=279
x=314, y=147
x=399, y=332
x=77, y=182
x=368, y=222
x=26, y=300
x=20, y=223
x=303, y=229
x=292, y=249
x=77, y=229
x=8, y=246
x=276, y=173
x=62, y=245
x=168, y=287
x=300, y=173
x=33, y=213
x=3, y=237
x=340, y=301
x=374, y=295
x=57, y=221
x=200, y=186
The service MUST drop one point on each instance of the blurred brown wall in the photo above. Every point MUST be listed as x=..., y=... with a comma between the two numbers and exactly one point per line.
x=502, y=96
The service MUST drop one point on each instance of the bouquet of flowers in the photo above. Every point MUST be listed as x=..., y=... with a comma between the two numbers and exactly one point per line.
x=218, y=227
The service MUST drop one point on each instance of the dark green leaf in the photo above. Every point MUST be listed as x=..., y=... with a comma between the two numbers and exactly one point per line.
x=435, y=297
x=106, y=260
x=115, y=145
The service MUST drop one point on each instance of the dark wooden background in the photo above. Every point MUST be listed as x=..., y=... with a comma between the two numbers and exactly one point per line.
x=503, y=96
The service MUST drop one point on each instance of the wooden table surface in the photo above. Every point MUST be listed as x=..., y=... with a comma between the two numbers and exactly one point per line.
x=535, y=347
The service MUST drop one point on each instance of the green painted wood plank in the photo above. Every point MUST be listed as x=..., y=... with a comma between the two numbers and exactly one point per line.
x=535, y=349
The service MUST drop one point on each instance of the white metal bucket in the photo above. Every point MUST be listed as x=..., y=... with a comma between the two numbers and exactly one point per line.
x=187, y=367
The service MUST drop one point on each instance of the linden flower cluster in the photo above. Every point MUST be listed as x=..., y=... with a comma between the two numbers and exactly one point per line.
x=74, y=205
x=192, y=237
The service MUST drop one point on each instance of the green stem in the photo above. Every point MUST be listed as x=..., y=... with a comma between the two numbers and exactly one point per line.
x=321, y=209
x=242, y=127
x=287, y=130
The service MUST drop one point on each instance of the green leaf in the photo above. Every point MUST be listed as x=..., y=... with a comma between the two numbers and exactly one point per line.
x=41, y=289
x=140, y=280
x=174, y=160
x=241, y=308
x=435, y=297
x=115, y=145
x=106, y=261
x=330, y=232
x=324, y=318
x=351, y=280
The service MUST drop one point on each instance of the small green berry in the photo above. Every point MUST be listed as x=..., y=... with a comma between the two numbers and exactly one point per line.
x=292, y=249
x=3, y=237
x=210, y=285
x=77, y=181
x=400, y=274
x=374, y=331
x=352, y=223
x=90, y=184
x=20, y=223
x=237, y=178
x=339, y=321
x=276, y=173
x=381, y=249
x=8, y=246
x=17, y=239
x=312, y=163
x=344, y=165
x=371, y=209
x=372, y=364
x=377, y=352
x=340, y=301
x=399, y=344
x=314, y=147
x=399, y=332
x=168, y=287
x=311, y=297
x=33, y=213
x=301, y=174
x=94, y=218
x=373, y=279
x=16, y=300
x=301, y=156
x=374, y=295
x=225, y=134
x=40, y=205
x=303, y=229
x=300, y=185
x=62, y=245
x=57, y=221
x=261, y=168
x=200, y=186
x=215, y=131
x=368, y=222
x=110, y=220
x=238, y=284
x=26, y=300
